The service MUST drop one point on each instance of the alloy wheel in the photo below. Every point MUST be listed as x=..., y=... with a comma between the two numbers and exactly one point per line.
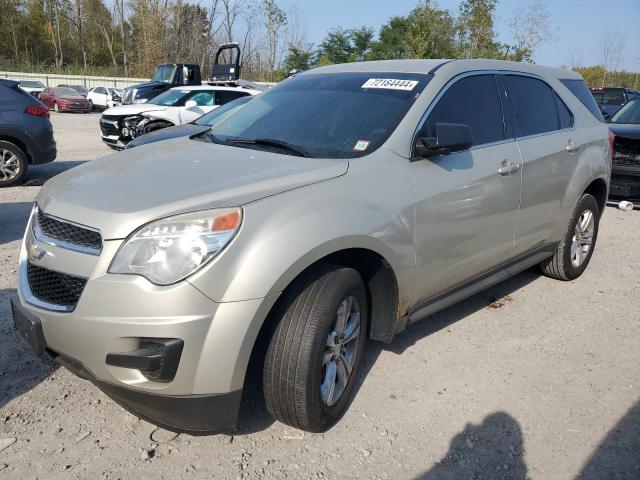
x=9, y=165
x=582, y=238
x=340, y=351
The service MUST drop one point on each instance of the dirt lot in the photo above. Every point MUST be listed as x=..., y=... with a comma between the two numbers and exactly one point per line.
x=534, y=378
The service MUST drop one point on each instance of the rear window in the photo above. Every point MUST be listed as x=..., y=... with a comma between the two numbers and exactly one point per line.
x=609, y=97
x=582, y=93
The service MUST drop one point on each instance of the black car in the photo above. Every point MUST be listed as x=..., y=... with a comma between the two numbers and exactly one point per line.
x=612, y=99
x=625, y=175
x=196, y=127
x=25, y=131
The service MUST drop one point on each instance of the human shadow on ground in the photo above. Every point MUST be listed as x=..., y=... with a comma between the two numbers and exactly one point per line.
x=618, y=455
x=494, y=449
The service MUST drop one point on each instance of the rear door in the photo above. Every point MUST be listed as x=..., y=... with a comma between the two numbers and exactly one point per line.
x=466, y=202
x=548, y=143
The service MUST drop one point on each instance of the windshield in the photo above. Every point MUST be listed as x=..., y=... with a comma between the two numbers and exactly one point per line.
x=608, y=97
x=66, y=92
x=222, y=112
x=169, y=98
x=630, y=113
x=336, y=115
x=163, y=73
x=31, y=84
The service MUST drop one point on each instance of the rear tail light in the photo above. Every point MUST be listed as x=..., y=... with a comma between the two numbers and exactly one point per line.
x=612, y=141
x=37, y=110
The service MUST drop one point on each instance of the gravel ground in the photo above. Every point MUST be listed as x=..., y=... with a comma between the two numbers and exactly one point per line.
x=533, y=378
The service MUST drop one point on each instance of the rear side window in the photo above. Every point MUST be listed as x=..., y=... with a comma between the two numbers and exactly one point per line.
x=564, y=114
x=582, y=93
x=226, y=96
x=532, y=105
x=473, y=101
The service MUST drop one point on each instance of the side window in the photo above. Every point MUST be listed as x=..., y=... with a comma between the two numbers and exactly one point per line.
x=473, y=101
x=532, y=104
x=101, y=90
x=203, y=99
x=564, y=114
x=226, y=96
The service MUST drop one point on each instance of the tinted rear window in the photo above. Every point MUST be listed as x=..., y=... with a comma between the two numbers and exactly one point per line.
x=582, y=93
x=609, y=97
x=532, y=105
x=472, y=101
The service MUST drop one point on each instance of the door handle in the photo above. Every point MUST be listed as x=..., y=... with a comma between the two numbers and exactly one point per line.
x=572, y=146
x=508, y=167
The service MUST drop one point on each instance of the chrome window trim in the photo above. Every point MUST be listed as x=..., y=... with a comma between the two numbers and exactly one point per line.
x=452, y=81
x=55, y=242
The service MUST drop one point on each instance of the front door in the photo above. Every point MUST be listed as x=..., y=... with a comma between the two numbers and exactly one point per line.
x=467, y=202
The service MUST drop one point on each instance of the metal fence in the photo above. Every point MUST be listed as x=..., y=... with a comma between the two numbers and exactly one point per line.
x=53, y=80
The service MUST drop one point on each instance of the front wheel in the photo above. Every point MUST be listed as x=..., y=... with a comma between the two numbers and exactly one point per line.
x=576, y=248
x=316, y=350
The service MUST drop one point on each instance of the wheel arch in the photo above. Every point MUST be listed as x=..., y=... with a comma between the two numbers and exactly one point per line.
x=19, y=143
x=599, y=190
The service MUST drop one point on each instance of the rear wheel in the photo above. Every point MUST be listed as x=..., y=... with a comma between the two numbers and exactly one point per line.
x=316, y=350
x=575, y=249
x=13, y=164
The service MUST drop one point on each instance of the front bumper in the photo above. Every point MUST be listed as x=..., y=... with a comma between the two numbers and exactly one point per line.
x=114, y=141
x=117, y=313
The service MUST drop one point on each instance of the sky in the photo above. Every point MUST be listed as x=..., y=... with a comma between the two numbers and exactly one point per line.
x=578, y=24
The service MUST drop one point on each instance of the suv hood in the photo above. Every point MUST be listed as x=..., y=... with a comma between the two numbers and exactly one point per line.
x=120, y=192
x=133, y=109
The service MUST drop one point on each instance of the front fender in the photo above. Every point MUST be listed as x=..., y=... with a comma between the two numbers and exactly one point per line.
x=284, y=234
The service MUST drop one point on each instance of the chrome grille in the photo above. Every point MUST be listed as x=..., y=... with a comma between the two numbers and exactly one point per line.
x=68, y=232
x=110, y=125
x=54, y=287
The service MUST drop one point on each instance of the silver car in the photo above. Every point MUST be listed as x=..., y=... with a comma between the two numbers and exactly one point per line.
x=340, y=206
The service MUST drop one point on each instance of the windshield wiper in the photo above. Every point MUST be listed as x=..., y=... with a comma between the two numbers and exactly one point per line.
x=270, y=142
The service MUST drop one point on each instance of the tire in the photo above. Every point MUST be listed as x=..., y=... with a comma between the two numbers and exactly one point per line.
x=296, y=370
x=13, y=164
x=564, y=264
x=92, y=107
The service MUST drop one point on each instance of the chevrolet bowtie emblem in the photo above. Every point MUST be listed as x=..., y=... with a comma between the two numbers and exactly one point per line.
x=36, y=252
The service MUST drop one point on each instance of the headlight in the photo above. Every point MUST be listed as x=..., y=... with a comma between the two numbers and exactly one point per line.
x=169, y=250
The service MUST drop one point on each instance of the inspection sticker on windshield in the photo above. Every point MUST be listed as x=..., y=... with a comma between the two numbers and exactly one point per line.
x=361, y=145
x=390, y=83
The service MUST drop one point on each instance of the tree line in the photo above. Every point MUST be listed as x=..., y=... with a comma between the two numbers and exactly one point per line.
x=128, y=37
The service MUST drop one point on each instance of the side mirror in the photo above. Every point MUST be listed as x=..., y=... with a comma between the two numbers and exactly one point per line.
x=190, y=104
x=449, y=138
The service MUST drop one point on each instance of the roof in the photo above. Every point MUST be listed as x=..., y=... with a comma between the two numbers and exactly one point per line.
x=446, y=66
